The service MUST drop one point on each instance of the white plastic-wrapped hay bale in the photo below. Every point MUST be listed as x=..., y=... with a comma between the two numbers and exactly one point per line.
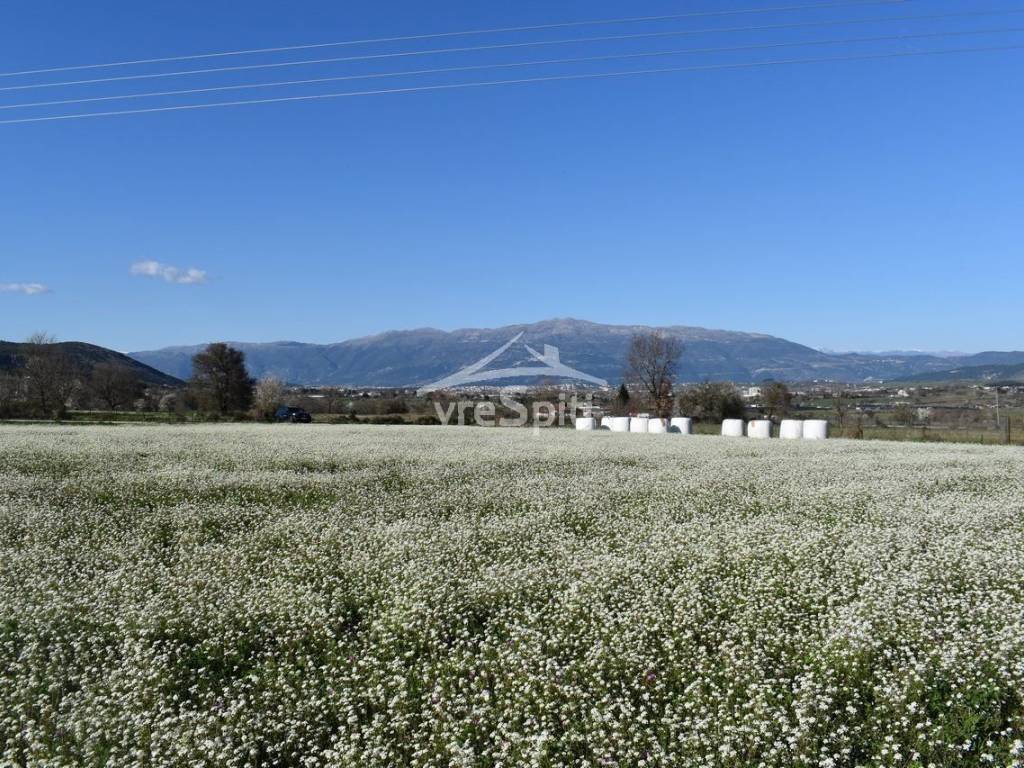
x=791, y=429
x=761, y=429
x=618, y=423
x=606, y=423
x=586, y=424
x=815, y=429
x=657, y=426
x=639, y=424
x=681, y=425
x=732, y=428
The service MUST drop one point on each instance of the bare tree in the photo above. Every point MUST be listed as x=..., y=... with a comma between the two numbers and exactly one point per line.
x=652, y=362
x=115, y=385
x=40, y=339
x=268, y=397
x=220, y=381
x=332, y=396
x=50, y=375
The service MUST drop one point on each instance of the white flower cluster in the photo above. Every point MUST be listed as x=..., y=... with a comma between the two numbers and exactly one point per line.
x=255, y=595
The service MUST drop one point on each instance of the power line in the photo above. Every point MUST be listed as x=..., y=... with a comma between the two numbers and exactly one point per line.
x=487, y=83
x=466, y=33
x=506, y=46
x=519, y=64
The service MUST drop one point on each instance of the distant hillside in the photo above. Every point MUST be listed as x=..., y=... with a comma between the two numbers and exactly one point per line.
x=417, y=357
x=975, y=373
x=87, y=356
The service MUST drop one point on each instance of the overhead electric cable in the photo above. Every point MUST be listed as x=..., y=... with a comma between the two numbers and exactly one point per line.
x=466, y=33
x=506, y=46
x=519, y=64
x=488, y=83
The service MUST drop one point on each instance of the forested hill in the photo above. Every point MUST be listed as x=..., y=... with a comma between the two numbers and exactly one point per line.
x=84, y=357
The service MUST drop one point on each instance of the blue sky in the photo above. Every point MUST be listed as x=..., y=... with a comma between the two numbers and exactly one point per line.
x=850, y=205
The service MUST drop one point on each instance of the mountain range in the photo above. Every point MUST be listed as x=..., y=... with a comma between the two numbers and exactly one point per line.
x=414, y=358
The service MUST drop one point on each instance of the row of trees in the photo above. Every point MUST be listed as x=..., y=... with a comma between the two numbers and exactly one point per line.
x=44, y=381
x=221, y=384
x=711, y=401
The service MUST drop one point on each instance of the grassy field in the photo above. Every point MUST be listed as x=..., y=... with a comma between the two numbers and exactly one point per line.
x=233, y=595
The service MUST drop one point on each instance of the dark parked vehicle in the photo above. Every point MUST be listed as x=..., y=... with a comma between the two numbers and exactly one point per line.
x=292, y=414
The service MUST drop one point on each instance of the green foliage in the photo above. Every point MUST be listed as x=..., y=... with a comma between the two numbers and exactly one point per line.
x=220, y=382
x=776, y=399
x=711, y=402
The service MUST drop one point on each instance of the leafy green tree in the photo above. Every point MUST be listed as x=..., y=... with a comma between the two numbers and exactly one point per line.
x=776, y=400
x=220, y=381
x=622, y=400
x=711, y=401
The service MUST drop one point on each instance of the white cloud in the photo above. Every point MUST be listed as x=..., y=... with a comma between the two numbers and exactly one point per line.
x=190, y=276
x=29, y=289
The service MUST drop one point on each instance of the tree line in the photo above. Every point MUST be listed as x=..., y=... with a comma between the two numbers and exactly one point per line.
x=44, y=381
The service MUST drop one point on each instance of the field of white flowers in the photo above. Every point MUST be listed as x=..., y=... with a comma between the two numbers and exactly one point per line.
x=360, y=596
